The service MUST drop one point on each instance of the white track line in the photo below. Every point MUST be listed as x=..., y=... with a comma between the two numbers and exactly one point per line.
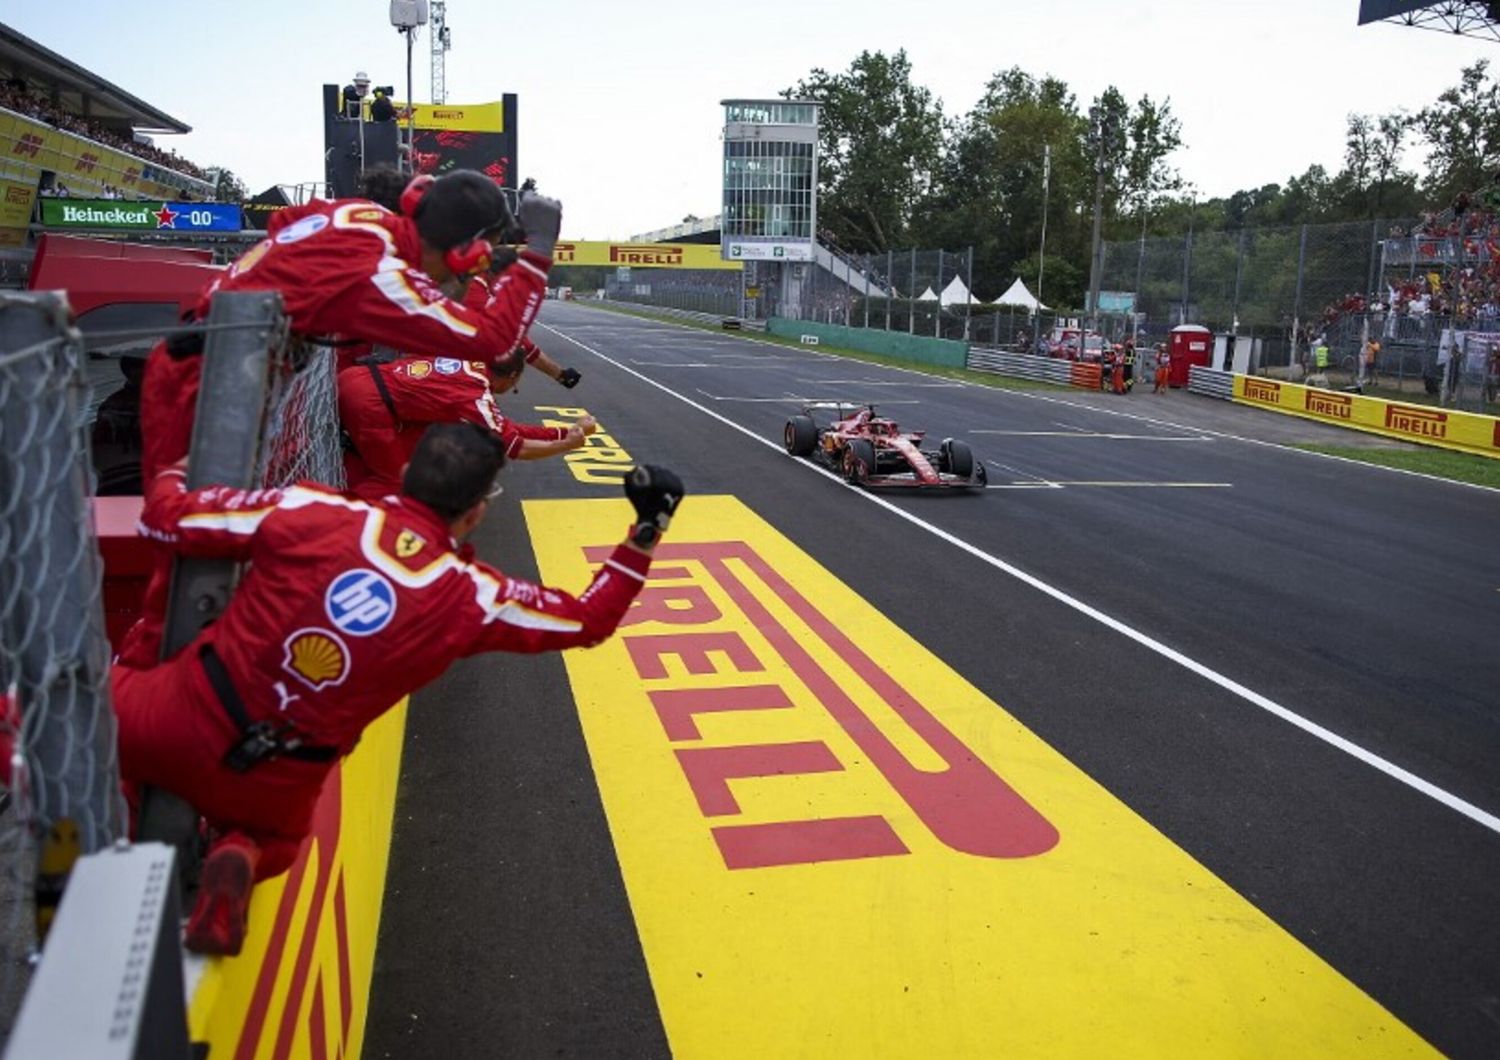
x=1312, y=728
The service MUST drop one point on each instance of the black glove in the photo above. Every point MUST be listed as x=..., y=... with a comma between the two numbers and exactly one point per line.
x=569, y=377
x=655, y=493
x=541, y=217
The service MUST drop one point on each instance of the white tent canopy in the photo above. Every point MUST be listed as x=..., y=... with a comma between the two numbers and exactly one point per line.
x=1018, y=295
x=957, y=294
x=927, y=296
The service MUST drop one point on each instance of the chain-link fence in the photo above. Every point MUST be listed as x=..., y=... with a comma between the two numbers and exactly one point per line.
x=1408, y=315
x=63, y=795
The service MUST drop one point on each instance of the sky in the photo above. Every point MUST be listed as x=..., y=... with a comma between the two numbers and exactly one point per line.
x=619, y=111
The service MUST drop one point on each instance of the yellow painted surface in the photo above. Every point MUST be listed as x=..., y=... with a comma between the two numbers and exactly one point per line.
x=1050, y=922
x=294, y=974
x=1467, y=432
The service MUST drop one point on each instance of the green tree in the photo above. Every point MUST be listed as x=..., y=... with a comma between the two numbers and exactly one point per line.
x=1462, y=132
x=990, y=188
x=881, y=140
x=229, y=188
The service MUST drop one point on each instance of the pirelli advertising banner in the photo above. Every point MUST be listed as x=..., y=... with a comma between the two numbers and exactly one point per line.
x=644, y=255
x=84, y=165
x=1464, y=431
x=16, y=200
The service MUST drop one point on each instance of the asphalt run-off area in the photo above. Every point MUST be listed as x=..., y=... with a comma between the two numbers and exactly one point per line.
x=1174, y=739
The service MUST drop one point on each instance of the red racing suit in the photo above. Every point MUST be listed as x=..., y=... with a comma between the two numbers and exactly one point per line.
x=345, y=608
x=421, y=391
x=346, y=267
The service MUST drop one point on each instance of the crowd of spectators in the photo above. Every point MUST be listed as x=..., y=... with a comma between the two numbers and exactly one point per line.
x=15, y=96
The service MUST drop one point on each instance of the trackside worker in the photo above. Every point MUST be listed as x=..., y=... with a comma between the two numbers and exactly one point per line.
x=353, y=268
x=1163, y=368
x=385, y=406
x=345, y=607
x=1127, y=355
x=1320, y=354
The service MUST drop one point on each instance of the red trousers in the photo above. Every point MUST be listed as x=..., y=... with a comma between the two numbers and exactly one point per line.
x=173, y=733
x=382, y=450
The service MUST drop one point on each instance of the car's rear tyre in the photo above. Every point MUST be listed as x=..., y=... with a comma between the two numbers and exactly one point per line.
x=800, y=436
x=859, y=460
x=957, y=458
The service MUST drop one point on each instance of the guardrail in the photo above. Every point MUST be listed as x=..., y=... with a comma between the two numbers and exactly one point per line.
x=1029, y=366
x=1211, y=382
x=684, y=314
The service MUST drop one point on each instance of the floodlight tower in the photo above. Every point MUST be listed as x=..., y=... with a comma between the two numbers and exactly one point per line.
x=442, y=40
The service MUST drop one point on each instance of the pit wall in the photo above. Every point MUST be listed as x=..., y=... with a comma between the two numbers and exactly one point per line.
x=300, y=988
x=946, y=353
x=1464, y=432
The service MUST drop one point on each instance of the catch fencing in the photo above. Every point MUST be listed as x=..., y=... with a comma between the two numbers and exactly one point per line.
x=64, y=798
x=63, y=792
x=1289, y=290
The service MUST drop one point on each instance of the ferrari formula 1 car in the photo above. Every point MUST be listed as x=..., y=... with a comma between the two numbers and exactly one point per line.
x=870, y=450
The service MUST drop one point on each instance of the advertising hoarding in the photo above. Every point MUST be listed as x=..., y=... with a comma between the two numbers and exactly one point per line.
x=141, y=216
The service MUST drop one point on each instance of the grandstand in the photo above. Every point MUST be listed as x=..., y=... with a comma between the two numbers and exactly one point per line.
x=67, y=131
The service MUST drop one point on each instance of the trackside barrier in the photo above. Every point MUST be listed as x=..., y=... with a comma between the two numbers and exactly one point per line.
x=948, y=353
x=1210, y=382
x=1041, y=369
x=1464, y=432
x=111, y=986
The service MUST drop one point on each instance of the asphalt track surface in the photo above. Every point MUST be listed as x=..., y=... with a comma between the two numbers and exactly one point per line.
x=1283, y=662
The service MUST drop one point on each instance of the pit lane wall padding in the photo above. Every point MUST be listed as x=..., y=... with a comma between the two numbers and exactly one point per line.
x=300, y=988
x=947, y=353
x=1464, y=432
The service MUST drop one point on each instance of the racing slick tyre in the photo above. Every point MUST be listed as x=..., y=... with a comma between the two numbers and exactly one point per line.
x=957, y=458
x=859, y=460
x=800, y=436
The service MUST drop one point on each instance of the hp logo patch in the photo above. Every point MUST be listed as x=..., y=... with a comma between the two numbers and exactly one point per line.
x=360, y=602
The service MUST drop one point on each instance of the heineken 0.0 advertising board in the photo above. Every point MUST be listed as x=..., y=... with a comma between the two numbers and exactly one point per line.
x=141, y=216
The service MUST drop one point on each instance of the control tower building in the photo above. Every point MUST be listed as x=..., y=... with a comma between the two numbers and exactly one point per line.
x=770, y=218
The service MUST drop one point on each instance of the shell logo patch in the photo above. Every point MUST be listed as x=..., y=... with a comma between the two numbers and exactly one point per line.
x=316, y=657
x=419, y=369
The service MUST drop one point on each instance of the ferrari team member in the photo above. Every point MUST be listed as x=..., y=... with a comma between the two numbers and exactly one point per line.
x=353, y=268
x=346, y=607
x=384, y=406
x=476, y=297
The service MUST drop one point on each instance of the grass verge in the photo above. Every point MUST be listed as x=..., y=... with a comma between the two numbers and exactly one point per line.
x=1460, y=467
x=964, y=375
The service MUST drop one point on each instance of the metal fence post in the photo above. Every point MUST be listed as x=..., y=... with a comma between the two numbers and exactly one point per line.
x=937, y=316
x=242, y=328
x=1297, y=298
x=911, y=297
x=969, y=300
x=890, y=285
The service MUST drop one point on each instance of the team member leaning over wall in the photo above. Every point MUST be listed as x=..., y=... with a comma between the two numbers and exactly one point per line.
x=346, y=607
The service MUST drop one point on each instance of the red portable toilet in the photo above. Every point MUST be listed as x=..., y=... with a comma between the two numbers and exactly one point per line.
x=1190, y=344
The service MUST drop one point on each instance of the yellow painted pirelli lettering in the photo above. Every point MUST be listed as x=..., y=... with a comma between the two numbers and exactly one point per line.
x=835, y=846
x=602, y=461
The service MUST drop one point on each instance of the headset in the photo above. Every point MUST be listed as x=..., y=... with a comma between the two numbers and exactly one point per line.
x=467, y=257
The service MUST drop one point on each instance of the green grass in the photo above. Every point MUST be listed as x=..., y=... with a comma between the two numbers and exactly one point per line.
x=989, y=379
x=1460, y=467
